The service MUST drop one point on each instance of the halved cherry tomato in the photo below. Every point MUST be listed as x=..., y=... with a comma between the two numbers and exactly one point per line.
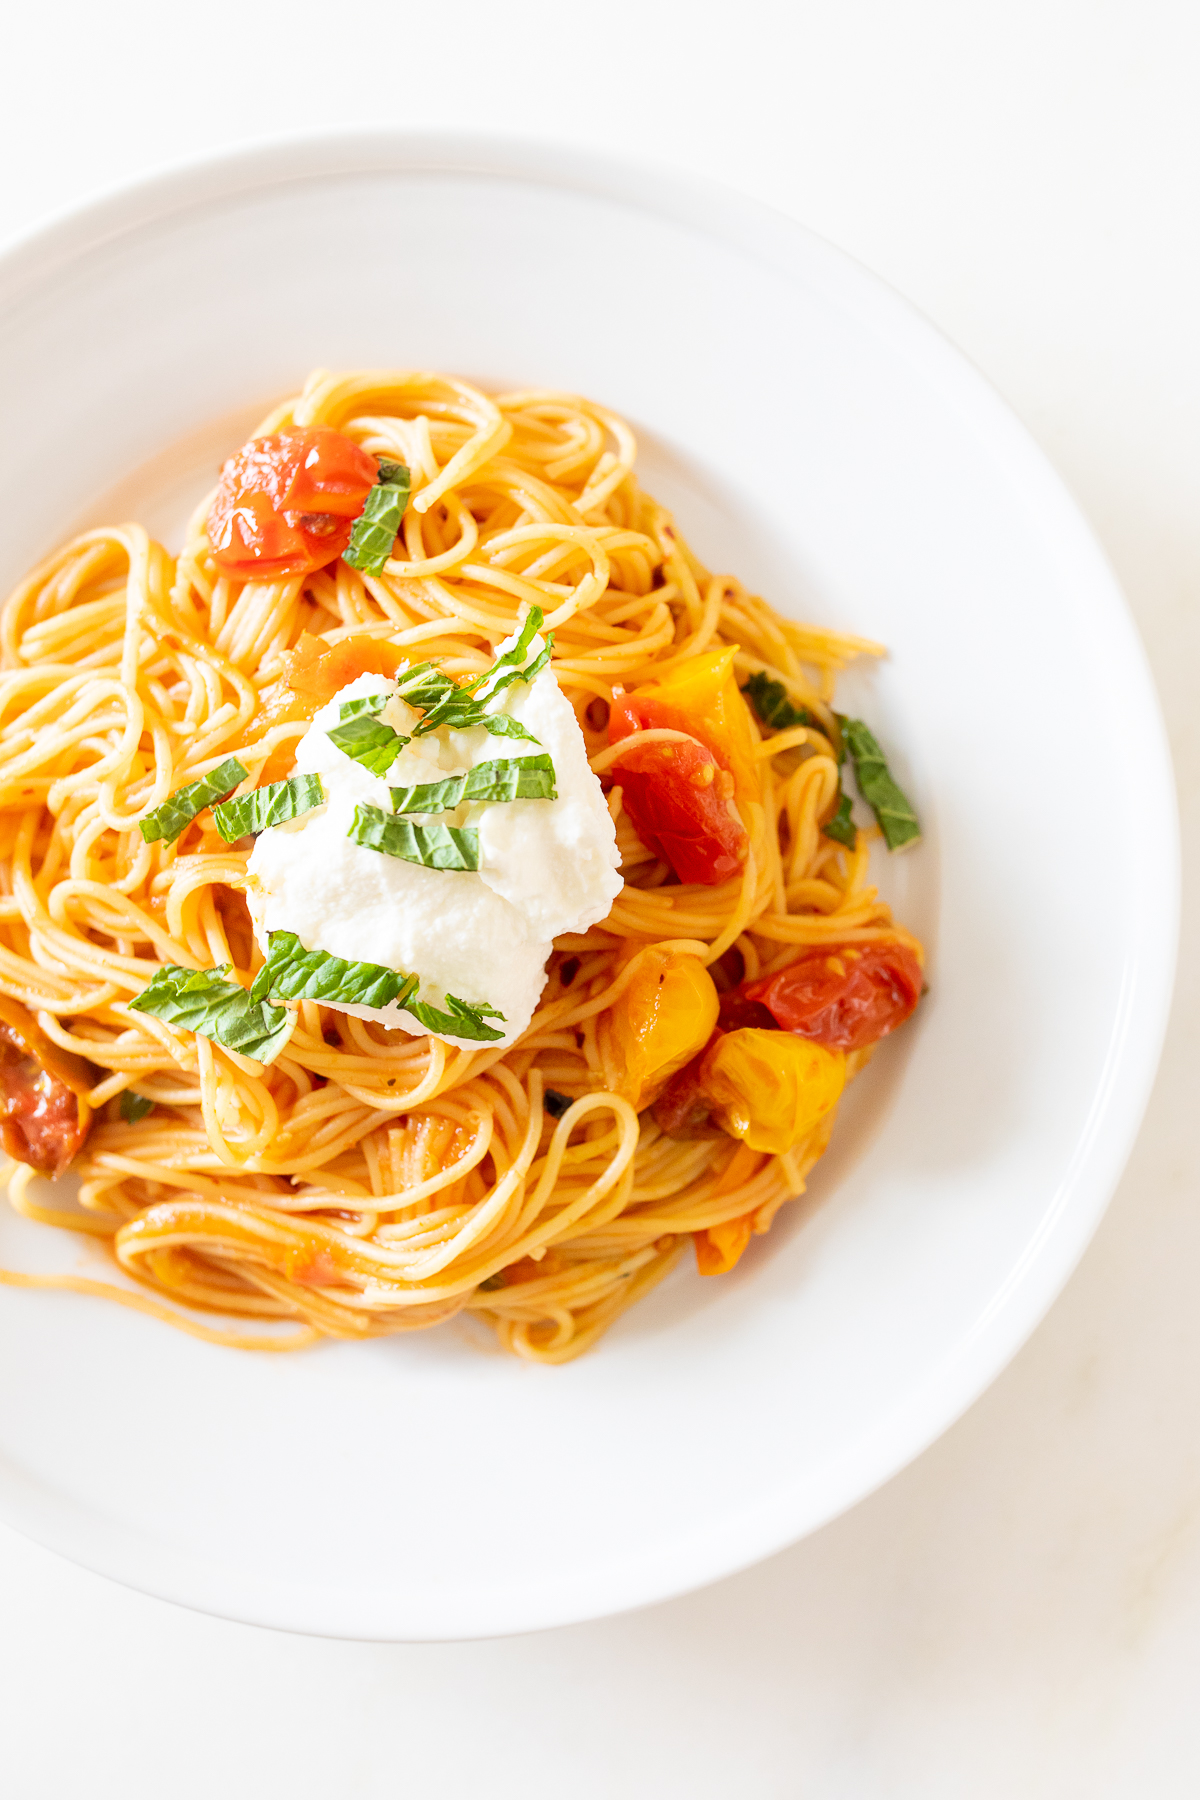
x=770, y=1088
x=319, y=669
x=845, y=997
x=663, y=1018
x=682, y=798
x=286, y=504
x=44, y=1110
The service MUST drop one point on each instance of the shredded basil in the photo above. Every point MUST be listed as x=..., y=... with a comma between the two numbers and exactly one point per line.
x=770, y=701
x=841, y=827
x=556, y=1104
x=293, y=973
x=375, y=529
x=178, y=810
x=892, y=808
x=202, y=1000
x=424, y=685
x=462, y=1021
x=363, y=736
x=510, y=778
x=463, y=707
x=266, y=806
x=134, y=1106
x=432, y=846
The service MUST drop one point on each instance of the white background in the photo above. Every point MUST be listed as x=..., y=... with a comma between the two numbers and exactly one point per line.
x=1019, y=1612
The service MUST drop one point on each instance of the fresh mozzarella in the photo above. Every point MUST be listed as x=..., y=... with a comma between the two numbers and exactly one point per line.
x=546, y=866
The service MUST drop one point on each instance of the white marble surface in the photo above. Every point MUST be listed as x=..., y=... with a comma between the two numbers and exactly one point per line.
x=1019, y=1612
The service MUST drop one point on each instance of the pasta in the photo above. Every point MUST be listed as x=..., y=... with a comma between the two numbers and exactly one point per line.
x=368, y=1182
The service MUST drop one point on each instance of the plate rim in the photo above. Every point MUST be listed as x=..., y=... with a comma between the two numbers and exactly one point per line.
x=1123, y=1089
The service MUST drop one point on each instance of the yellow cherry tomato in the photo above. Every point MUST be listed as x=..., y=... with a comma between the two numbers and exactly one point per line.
x=704, y=689
x=665, y=1017
x=770, y=1088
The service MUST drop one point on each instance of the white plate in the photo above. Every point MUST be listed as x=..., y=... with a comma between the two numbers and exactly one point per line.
x=821, y=440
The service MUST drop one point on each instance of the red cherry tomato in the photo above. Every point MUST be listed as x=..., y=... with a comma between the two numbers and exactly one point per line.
x=286, y=504
x=679, y=797
x=845, y=997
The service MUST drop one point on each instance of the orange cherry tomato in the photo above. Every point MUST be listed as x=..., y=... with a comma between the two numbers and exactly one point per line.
x=845, y=997
x=683, y=799
x=286, y=504
x=770, y=1088
x=663, y=1018
x=45, y=1112
x=719, y=1246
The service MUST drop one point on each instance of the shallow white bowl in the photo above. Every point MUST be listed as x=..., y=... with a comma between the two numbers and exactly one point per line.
x=821, y=440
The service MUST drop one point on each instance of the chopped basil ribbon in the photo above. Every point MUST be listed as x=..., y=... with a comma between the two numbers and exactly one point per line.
x=462, y=707
x=293, y=973
x=841, y=827
x=423, y=686
x=770, y=701
x=511, y=778
x=201, y=1000
x=267, y=806
x=433, y=846
x=556, y=1104
x=463, y=1021
x=375, y=529
x=363, y=736
x=897, y=820
x=134, y=1106
x=178, y=810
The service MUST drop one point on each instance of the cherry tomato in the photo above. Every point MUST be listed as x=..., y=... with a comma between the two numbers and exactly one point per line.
x=845, y=997
x=683, y=799
x=286, y=504
x=44, y=1110
x=770, y=1088
x=663, y=1018
x=718, y=1247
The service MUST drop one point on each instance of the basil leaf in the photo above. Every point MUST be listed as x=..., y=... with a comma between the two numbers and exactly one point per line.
x=266, y=806
x=511, y=778
x=134, y=1106
x=897, y=820
x=178, y=810
x=841, y=827
x=293, y=973
x=770, y=701
x=201, y=1000
x=556, y=1104
x=375, y=529
x=463, y=1021
x=363, y=736
x=500, y=725
x=433, y=846
x=423, y=686
x=464, y=706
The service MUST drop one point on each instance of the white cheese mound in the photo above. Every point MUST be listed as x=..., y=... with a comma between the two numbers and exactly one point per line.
x=546, y=866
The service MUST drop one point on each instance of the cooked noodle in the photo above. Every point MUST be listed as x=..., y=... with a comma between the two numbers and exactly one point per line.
x=369, y=1182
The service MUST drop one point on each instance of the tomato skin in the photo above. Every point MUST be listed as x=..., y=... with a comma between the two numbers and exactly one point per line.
x=286, y=504
x=658, y=1024
x=845, y=997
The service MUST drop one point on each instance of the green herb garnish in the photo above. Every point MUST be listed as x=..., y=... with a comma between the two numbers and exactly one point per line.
x=462, y=707
x=134, y=1106
x=510, y=778
x=463, y=1021
x=293, y=973
x=375, y=529
x=841, y=827
x=202, y=1000
x=433, y=846
x=897, y=820
x=363, y=736
x=178, y=810
x=266, y=806
x=770, y=701
x=556, y=1104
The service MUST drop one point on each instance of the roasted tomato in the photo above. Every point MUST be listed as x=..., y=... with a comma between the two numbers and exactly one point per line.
x=683, y=798
x=286, y=504
x=44, y=1110
x=663, y=1018
x=845, y=997
x=718, y=1248
x=770, y=1088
